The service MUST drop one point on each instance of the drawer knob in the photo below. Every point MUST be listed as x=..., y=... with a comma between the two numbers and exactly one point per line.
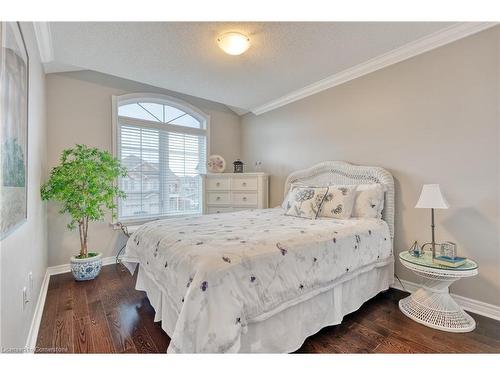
x=217, y=184
x=218, y=198
x=244, y=198
x=244, y=184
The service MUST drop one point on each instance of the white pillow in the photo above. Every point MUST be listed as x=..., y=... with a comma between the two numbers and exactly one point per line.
x=338, y=202
x=369, y=201
x=305, y=201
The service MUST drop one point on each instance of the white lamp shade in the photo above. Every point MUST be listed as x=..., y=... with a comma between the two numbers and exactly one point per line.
x=431, y=197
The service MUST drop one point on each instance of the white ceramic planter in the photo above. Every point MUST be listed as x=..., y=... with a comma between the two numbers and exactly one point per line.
x=86, y=269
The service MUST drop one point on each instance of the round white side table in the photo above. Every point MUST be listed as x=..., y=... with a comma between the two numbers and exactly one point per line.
x=432, y=305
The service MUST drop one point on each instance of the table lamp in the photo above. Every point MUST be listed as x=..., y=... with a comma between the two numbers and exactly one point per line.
x=431, y=197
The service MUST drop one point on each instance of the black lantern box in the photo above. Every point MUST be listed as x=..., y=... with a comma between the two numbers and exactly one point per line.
x=238, y=166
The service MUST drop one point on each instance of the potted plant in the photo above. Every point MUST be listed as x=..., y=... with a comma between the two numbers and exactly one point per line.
x=84, y=183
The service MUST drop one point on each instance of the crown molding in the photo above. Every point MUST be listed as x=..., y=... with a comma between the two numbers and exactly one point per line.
x=44, y=41
x=417, y=47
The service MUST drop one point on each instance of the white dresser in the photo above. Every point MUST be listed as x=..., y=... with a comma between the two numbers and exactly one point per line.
x=228, y=192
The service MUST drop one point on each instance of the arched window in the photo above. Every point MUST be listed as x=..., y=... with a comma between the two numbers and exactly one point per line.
x=162, y=141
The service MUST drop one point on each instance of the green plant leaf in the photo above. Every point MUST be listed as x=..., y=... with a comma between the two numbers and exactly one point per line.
x=85, y=184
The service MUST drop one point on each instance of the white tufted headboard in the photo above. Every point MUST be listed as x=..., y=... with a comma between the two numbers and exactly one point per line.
x=343, y=173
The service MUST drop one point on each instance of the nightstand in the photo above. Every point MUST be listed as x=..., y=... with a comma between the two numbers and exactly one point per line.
x=432, y=305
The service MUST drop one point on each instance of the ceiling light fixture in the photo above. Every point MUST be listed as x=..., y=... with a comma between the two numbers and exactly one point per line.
x=233, y=43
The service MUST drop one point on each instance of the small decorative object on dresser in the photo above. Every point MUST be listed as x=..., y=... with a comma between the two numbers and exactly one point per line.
x=432, y=305
x=238, y=166
x=216, y=164
x=431, y=197
x=229, y=192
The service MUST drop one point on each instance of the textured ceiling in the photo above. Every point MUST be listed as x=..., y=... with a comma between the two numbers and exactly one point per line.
x=184, y=56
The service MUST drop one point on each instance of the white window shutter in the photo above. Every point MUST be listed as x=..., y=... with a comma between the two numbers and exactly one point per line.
x=164, y=166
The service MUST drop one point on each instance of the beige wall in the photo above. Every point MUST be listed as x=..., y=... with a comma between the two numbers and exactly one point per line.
x=431, y=119
x=79, y=111
x=25, y=249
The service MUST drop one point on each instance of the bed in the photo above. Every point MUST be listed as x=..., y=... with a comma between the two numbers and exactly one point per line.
x=259, y=281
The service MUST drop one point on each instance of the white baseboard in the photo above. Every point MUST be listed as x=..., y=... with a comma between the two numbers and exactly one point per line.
x=63, y=268
x=469, y=304
x=37, y=315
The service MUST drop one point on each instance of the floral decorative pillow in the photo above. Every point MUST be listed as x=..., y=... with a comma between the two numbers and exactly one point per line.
x=338, y=202
x=369, y=201
x=286, y=201
x=304, y=201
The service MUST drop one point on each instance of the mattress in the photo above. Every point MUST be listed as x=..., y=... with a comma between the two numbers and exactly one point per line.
x=220, y=273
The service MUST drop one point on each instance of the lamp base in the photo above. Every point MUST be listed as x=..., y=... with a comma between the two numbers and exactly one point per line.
x=433, y=241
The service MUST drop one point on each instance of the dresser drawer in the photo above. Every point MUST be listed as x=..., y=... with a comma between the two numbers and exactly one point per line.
x=244, y=199
x=244, y=183
x=218, y=210
x=218, y=183
x=229, y=192
x=214, y=197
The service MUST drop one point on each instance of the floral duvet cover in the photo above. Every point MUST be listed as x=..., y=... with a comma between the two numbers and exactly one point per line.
x=220, y=272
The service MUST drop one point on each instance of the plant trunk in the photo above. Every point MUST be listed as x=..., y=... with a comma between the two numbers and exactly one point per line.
x=85, y=236
x=83, y=228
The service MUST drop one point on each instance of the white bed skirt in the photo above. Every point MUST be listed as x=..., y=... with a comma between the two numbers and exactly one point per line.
x=285, y=331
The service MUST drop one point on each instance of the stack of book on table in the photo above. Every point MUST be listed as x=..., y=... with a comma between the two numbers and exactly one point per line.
x=449, y=262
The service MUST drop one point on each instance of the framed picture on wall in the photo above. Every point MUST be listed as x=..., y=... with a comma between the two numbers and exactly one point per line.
x=14, y=66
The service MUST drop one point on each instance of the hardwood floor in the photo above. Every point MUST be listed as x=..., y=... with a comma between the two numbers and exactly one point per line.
x=107, y=315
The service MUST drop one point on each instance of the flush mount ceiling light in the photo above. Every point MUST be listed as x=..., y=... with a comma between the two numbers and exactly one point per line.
x=233, y=43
